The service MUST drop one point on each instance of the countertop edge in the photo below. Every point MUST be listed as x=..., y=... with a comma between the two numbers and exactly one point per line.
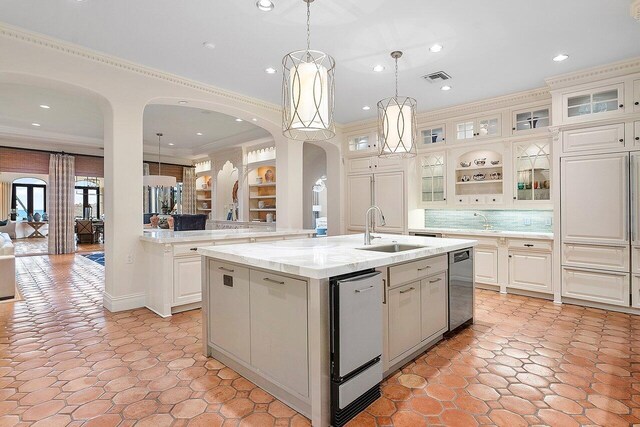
x=231, y=236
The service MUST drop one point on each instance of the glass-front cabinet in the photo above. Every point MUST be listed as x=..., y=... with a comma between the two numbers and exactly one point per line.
x=481, y=127
x=532, y=171
x=433, y=178
x=530, y=119
x=432, y=135
x=586, y=105
x=362, y=144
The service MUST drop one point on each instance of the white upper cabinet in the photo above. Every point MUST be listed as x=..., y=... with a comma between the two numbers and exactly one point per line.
x=388, y=194
x=532, y=178
x=433, y=177
x=362, y=144
x=432, y=135
x=593, y=104
x=479, y=128
x=360, y=193
x=594, y=139
x=636, y=95
x=530, y=120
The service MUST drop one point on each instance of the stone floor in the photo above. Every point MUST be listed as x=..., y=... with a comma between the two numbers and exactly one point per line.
x=40, y=246
x=64, y=360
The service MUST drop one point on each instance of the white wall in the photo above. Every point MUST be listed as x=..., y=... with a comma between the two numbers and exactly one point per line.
x=314, y=166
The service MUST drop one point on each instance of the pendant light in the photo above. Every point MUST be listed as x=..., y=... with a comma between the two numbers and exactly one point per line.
x=307, y=92
x=159, y=180
x=397, y=130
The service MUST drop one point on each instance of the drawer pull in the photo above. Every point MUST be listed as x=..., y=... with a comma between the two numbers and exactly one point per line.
x=435, y=280
x=266, y=279
x=193, y=249
x=359, y=291
x=528, y=245
x=424, y=268
x=228, y=270
x=408, y=290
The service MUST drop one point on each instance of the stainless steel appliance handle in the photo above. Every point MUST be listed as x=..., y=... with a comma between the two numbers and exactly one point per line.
x=359, y=291
x=461, y=256
x=228, y=270
x=359, y=278
x=408, y=290
x=278, y=282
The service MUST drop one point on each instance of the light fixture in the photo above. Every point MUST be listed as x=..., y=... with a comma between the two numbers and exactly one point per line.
x=308, y=92
x=378, y=68
x=182, y=102
x=159, y=180
x=397, y=130
x=254, y=119
x=239, y=120
x=445, y=87
x=270, y=70
x=35, y=124
x=46, y=107
x=171, y=144
x=199, y=133
x=209, y=45
x=366, y=108
x=435, y=48
x=561, y=57
x=265, y=5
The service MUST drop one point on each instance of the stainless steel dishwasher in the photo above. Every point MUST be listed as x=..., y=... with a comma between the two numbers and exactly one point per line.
x=356, y=343
x=461, y=298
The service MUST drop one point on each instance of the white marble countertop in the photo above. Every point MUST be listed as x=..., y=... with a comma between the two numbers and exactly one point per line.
x=329, y=256
x=170, y=236
x=489, y=233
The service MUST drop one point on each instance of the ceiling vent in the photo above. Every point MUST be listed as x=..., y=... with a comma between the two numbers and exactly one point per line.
x=437, y=77
x=635, y=10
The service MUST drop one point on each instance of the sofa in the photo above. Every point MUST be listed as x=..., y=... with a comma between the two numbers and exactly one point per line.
x=186, y=222
x=8, y=228
x=7, y=267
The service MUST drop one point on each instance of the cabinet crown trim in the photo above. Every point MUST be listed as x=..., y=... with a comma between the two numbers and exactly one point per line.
x=617, y=69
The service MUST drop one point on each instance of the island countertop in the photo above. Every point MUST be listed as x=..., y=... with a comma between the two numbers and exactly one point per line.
x=170, y=236
x=330, y=256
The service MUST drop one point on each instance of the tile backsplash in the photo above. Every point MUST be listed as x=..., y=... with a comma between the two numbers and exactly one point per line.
x=502, y=220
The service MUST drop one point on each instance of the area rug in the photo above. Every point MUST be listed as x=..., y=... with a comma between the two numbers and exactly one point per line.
x=96, y=257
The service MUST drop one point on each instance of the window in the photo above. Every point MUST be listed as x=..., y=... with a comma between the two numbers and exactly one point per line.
x=29, y=196
x=87, y=196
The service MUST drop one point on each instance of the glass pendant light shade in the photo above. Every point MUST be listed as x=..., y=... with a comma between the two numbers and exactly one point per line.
x=308, y=93
x=397, y=127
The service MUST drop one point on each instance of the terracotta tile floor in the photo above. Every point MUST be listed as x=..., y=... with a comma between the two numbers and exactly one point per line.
x=40, y=246
x=64, y=360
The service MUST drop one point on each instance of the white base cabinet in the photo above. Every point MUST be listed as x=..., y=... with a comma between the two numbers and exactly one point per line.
x=486, y=265
x=530, y=270
x=433, y=303
x=404, y=319
x=187, y=273
x=598, y=286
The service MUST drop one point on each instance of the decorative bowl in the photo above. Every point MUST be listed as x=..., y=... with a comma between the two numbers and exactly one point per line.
x=465, y=164
x=495, y=162
x=479, y=177
x=465, y=178
x=480, y=162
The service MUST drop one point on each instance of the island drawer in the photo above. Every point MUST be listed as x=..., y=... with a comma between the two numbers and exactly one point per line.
x=184, y=249
x=403, y=273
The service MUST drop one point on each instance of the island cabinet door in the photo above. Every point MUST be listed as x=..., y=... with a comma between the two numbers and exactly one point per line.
x=187, y=282
x=404, y=319
x=229, y=309
x=279, y=329
x=433, y=295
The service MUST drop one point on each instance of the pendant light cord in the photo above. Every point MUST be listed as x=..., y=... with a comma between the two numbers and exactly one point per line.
x=396, y=77
x=308, y=25
x=159, y=163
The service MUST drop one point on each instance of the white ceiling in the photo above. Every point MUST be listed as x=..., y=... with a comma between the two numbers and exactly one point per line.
x=491, y=47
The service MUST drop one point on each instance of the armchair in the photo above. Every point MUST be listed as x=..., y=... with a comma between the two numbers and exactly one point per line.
x=86, y=232
x=8, y=228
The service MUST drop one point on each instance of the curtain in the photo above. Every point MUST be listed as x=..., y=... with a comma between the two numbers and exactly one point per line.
x=189, y=191
x=61, y=204
x=5, y=200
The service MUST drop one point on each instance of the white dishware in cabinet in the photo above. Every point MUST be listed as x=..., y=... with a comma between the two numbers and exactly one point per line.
x=598, y=286
x=605, y=179
x=229, y=318
x=279, y=329
x=404, y=319
x=593, y=104
x=187, y=282
x=594, y=139
x=434, y=302
x=530, y=270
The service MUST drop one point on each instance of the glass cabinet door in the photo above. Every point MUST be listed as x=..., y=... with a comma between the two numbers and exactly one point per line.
x=465, y=130
x=360, y=143
x=599, y=101
x=532, y=168
x=488, y=127
x=432, y=135
x=433, y=178
x=531, y=119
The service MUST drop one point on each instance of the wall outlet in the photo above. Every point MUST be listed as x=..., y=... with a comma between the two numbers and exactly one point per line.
x=527, y=221
x=130, y=259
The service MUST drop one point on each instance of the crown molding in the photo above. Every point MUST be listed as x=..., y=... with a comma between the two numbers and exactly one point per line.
x=41, y=40
x=616, y=69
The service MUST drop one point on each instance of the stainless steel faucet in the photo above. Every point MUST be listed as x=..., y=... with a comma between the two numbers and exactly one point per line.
x=486, y=224
x=367, y=234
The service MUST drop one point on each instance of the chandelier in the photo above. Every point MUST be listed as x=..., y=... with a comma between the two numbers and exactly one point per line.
x=397, y=130
x=158, y=180
x=308, y=92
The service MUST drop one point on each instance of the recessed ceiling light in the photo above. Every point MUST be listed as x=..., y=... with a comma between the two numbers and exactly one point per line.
x=561, y=57
x=378, y=68
x=270, y=70
x=171, y=143
x=254, y=119
x=366, y=108
x=199, y=133
x=182, y=102
x=265, y=5
x=435, y=48
x=46, y=107
x=239, y=120
x=445, y=87
x=209, y=45
x=35, y=124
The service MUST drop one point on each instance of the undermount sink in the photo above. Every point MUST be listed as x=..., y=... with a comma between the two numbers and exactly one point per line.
x=396, y=247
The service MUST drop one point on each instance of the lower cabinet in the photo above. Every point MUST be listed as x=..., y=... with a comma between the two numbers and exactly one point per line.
x=404, y=319
x=598, y=286
x=279, y=329
x=635, y=291
x=485, y=265
x=434, y=303
x=187, y=282
x=530, y=270
x=229, y=309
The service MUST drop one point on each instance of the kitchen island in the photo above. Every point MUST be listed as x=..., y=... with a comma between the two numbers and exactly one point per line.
x=267, y=309
x=172, y=279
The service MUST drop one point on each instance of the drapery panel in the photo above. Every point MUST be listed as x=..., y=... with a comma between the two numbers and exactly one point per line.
x=61, y=204
x=189, y=191
x=5, y=200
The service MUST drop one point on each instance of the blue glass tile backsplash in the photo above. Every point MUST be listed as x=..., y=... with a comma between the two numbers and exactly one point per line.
x=503, y=220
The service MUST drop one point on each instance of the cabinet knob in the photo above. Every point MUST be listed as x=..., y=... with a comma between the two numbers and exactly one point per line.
x=637, y=103
x=443, y=138
x=514, y=197
x=621, y=105
x=510, y=256
x=444, y=199
x=376, y=166
x=513, y=128
x=477, y=200
x=637, y=138
x=621, y=140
